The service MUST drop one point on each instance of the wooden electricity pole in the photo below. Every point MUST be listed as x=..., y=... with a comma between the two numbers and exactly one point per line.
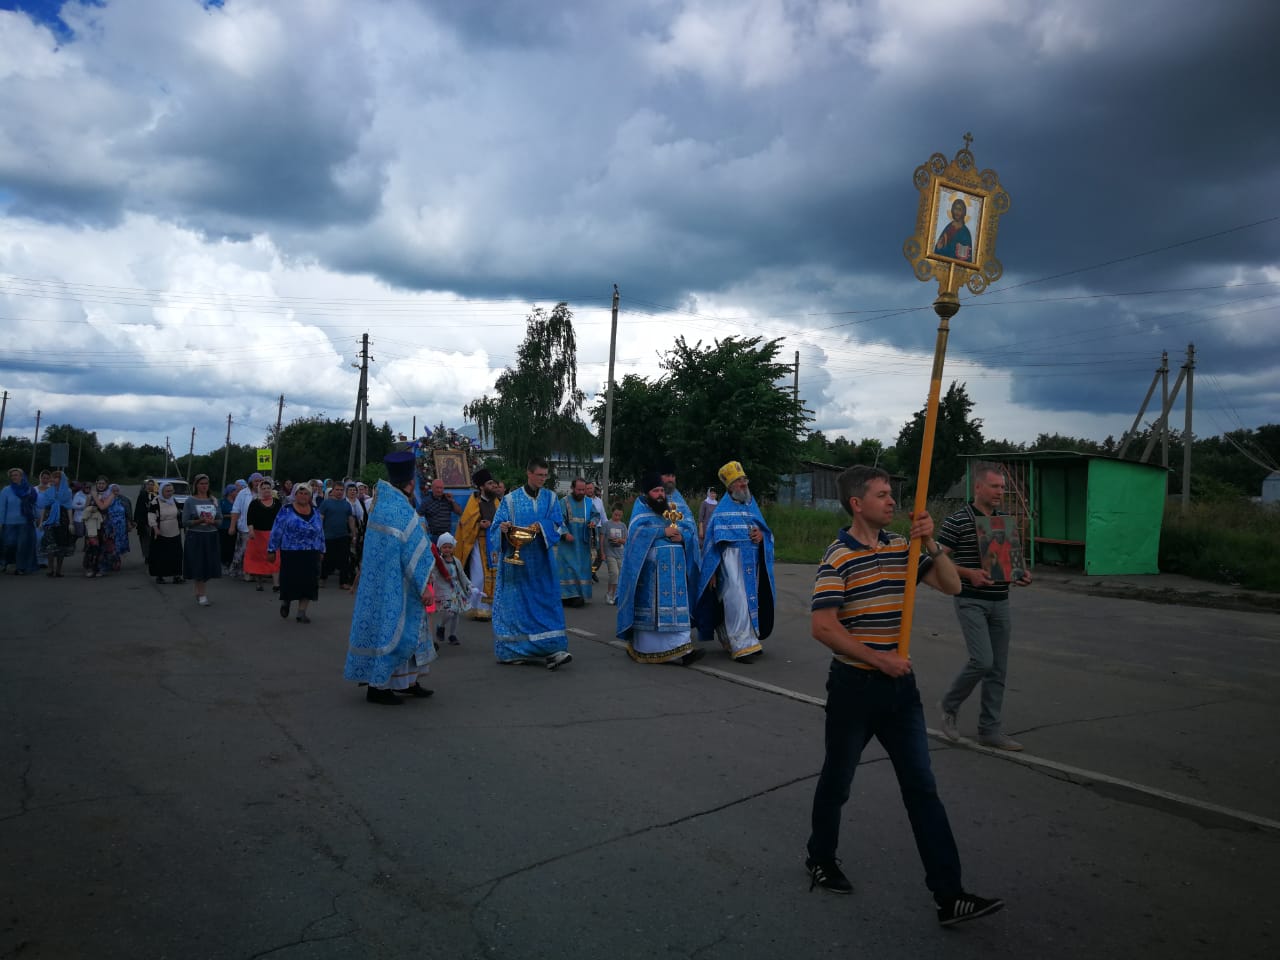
x=35, y=444
x=608, y=404
x=362, y=413
x=1187, y=435
x=275, y=449
x=226, y=452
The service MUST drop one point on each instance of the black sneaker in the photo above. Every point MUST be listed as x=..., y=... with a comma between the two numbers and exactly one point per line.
x=966, y=907
x=385, y=697
x=827, y=875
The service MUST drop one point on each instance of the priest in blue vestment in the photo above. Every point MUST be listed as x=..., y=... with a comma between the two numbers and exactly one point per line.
x=577, y=548
x=736, y=592
x=674, y=497
x=528, y=619
x=659, y=575
x=389, y=646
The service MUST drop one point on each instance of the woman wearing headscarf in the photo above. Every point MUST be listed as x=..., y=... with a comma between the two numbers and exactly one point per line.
x=361, y=515
x=226, y=536
x=93, y=524
x=261, y=518
x=298, y=538
x=142, y=513
x=164, y=523
x=705, y=511
x=79, y=497
x=18, y=516
x=115, y=529
x=42, y=485
x=53, y=506
x=116, y=510
x=201, y=516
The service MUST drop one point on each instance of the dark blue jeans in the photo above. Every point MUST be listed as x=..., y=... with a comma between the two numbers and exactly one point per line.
x=862, y=704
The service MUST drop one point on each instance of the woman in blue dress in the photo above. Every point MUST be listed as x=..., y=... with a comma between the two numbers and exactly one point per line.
x=298, y=538
x=115, y=526
x=17, y=517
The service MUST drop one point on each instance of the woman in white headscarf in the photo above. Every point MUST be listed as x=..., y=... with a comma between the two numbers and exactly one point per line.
x=164, y=520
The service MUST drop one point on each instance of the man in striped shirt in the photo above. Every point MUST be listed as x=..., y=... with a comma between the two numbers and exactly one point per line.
x=983, y=611
x=871, y=691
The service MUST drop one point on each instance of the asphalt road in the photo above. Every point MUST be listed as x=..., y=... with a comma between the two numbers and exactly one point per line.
x=200, y=782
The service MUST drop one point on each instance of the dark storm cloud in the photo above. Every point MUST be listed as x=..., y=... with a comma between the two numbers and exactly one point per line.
x=480, y=149
x=289, y=159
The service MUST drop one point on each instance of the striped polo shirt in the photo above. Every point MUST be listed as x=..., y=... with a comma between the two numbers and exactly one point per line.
x=866, y=585
x=960, y=536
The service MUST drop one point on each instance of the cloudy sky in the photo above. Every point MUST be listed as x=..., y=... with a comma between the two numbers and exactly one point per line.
x=204, y=205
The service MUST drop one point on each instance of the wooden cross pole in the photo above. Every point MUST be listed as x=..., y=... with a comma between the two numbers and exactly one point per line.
x=946, y=306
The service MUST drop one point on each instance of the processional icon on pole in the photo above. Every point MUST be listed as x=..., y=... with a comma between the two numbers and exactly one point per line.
x=954, y=243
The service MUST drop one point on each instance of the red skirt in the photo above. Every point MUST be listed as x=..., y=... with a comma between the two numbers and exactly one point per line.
x=255, y=555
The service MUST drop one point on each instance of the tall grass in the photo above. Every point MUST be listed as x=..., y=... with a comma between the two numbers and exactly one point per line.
x=802, y=534
x=1230, y=541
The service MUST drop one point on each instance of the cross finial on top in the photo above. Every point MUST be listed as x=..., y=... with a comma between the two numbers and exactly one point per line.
x=968, y=140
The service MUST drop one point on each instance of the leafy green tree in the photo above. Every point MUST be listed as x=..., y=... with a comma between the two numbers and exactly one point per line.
x=641, y=414
x=713, y=405
x=1058, y=441
x=316, y=447
x=508, y=473
x=374, y=470
x=816, y=447
x=534, y=410
x=241, y=461
x=955, y=433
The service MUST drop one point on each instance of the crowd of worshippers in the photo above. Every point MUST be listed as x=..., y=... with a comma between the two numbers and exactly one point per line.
x=294, y=537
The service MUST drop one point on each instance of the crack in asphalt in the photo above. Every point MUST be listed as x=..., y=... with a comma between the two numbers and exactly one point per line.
x=641, y=831
x=59, y=804
x=1124, y=716
x=304, y=937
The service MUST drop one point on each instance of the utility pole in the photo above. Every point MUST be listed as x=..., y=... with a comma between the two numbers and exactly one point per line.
x=191, y=453
x=4, y=403
x=364, y=426
x=1163, y=424
x=608, y=402
x=795, y=385
x=1164, y=402
x=1132, y=432
x=1190, y=369
x=35, y=443
x=414, y=434
x=226, y=452
x=361, y=414
x=275, y=449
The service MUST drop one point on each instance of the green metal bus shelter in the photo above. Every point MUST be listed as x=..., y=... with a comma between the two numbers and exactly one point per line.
x=1084, y=510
